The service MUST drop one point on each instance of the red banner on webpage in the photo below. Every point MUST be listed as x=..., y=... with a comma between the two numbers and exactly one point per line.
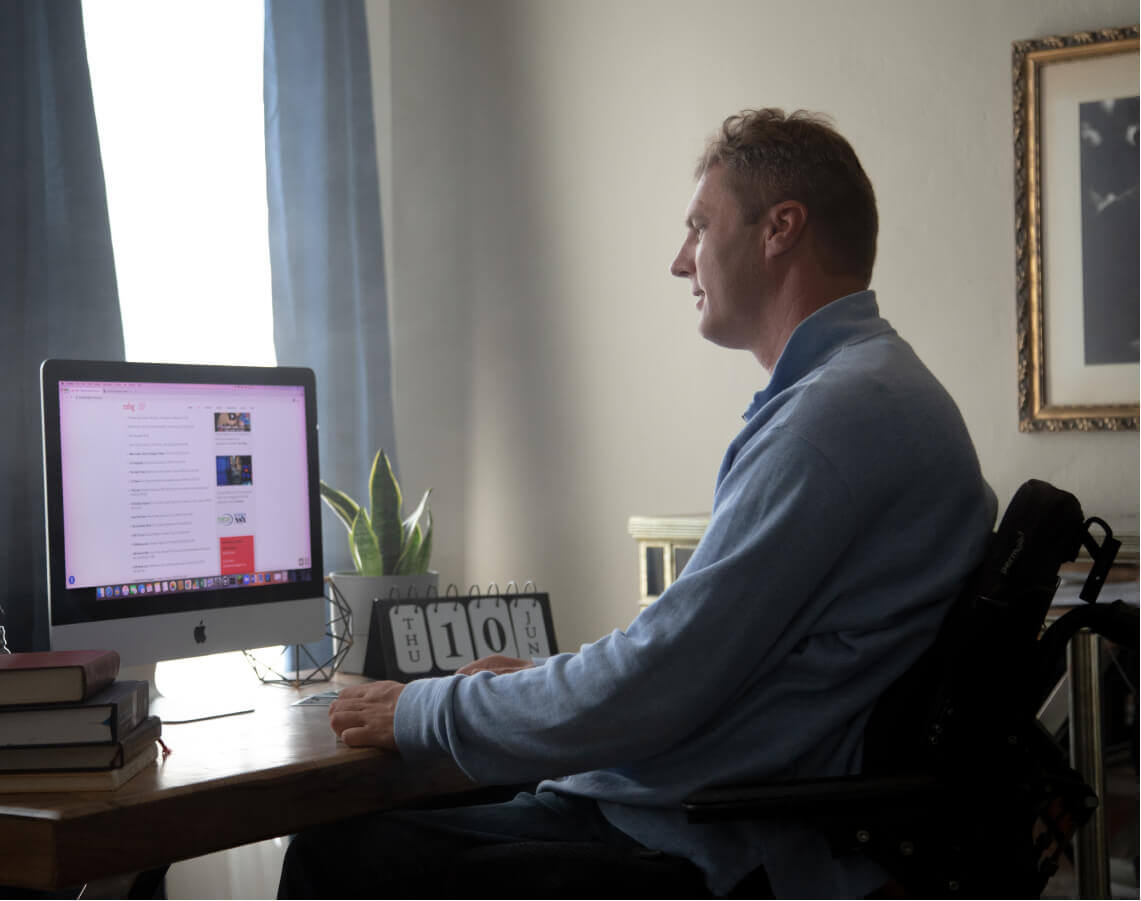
x=237, y=554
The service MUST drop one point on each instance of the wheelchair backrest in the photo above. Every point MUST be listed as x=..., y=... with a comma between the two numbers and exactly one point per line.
x=975, y=686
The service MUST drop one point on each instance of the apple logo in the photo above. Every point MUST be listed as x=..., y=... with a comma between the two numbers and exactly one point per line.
x=200, y=632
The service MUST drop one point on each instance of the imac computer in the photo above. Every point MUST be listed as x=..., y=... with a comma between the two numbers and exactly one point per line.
x=182, y=508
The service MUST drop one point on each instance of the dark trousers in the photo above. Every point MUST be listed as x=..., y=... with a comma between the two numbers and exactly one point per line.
x=535, y=846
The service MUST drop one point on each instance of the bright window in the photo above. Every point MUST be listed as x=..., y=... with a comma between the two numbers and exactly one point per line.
x=178, y=101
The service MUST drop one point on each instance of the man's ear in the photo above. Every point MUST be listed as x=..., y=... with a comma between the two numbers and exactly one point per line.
x=785, y=224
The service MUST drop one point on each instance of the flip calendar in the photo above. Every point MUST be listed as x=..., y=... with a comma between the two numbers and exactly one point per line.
x=411, y=638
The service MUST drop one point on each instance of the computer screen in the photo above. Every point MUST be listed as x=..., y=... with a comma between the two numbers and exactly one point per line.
x=183, y=512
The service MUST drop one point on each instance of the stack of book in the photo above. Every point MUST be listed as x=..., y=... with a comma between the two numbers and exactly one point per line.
x=67, y=724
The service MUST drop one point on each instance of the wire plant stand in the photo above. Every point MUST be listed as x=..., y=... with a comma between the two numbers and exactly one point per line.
x=299, y=658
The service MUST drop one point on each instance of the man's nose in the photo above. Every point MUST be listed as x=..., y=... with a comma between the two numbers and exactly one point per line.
x=682, y=266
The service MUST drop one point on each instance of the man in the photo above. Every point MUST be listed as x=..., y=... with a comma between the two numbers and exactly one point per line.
x=846, y=513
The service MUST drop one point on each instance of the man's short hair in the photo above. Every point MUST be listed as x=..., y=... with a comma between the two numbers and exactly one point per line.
x=770, y=157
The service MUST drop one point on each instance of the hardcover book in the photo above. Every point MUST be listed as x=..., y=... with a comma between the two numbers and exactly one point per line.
x=97, y=780
x=105, y=717
x=52, y=677
x=109, y=756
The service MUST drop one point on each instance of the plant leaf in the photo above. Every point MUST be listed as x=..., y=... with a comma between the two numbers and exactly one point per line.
x=424, y=555
x=413, y=521
x=410, y=554
x=385, y=501
x=341, y=504
x=366, y=551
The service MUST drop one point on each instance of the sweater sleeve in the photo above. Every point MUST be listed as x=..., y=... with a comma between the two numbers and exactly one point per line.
x=743, y=603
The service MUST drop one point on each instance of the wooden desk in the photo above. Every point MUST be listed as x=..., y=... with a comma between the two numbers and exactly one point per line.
x=227, y=782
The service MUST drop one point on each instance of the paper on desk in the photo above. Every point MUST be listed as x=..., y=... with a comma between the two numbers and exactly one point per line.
x=322, y=699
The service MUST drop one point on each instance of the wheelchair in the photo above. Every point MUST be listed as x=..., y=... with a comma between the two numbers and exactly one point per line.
x=963, y=792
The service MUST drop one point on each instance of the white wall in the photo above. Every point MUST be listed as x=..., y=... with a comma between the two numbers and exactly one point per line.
x=549, y=378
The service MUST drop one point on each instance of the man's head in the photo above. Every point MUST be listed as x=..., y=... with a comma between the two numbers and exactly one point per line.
x=783, y=220
x=769, y=156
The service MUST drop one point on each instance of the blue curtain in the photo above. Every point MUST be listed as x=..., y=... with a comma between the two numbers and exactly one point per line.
x=57, y=273
x=330, y=307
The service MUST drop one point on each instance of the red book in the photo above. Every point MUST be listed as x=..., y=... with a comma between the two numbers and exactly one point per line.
x=55, y=677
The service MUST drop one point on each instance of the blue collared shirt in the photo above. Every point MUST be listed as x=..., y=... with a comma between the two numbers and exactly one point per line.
x=845, y=515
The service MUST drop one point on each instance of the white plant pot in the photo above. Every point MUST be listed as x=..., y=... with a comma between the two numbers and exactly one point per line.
x=360, y=591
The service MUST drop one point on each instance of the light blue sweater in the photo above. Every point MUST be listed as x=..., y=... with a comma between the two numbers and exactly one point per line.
x=846, y=513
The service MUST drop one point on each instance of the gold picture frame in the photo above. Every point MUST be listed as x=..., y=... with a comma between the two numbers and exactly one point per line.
x=1058, y=390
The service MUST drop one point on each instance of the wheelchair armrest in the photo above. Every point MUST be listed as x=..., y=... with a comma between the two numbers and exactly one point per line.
x=809, y=798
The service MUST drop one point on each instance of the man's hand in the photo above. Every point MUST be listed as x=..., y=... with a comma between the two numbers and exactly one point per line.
x=363, y=715
x=496, y=663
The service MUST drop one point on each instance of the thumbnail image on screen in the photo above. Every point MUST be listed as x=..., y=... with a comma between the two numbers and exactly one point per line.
x=235, y=469
x=231, y=422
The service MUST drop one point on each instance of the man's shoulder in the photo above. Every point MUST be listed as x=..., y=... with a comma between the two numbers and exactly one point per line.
x=876, y=376
x=869, y=404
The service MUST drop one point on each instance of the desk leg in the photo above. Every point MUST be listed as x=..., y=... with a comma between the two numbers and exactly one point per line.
x=1091, y=853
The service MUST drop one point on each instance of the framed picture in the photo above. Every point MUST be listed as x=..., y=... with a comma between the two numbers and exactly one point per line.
x=1076, y=230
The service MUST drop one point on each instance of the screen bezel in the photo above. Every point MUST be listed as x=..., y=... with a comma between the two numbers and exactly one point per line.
x=71, y=606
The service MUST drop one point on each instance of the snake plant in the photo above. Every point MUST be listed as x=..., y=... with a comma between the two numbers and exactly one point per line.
x=383, y=544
